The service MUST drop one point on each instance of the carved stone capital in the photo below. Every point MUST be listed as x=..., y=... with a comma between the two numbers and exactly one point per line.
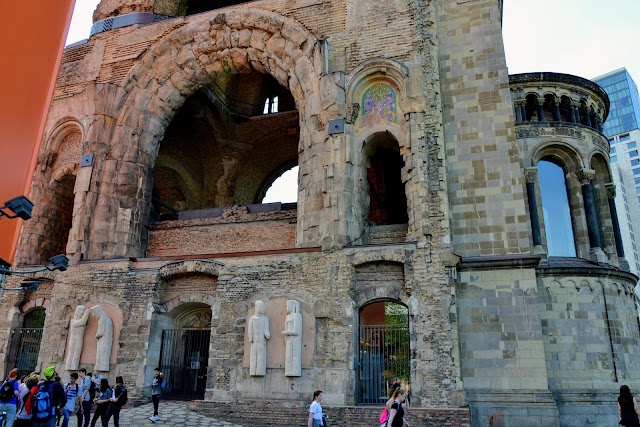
x=585, y=176
x=611, y=190
x=352, y=112
x=531, y=174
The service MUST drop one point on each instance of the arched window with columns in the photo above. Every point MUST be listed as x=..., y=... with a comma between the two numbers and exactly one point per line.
x=556, y=209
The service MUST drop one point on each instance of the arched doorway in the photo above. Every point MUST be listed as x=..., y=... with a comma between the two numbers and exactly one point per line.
x=184, y=351
x=383, y=355
x=24, y=343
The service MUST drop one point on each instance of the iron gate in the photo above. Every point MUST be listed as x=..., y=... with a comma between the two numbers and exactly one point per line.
x=23, y=350
x=383, y=359
x=183, y=360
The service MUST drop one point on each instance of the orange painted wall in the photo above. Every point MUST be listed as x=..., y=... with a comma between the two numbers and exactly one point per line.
x=32, y=36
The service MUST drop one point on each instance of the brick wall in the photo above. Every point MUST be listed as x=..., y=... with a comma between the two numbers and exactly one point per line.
x=243, y=233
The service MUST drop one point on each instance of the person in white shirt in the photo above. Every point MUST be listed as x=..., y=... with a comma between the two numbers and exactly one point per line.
x=315, y=410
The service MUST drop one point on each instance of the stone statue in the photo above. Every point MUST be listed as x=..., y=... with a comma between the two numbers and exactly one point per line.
x=258, y=336
x=104, y=336
x=293, y=340
x=76, y=337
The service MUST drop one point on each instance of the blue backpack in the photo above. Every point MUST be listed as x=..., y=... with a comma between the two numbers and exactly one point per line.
x=43, y=407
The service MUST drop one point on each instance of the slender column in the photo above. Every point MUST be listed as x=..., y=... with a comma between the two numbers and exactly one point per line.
x=585, y=176
x=556, y=111
x=587, y=116
x=518, y=113
x=611, y=198
x=577, y=110
x=572, y=114
x=531, y=176
x=540, y=112
x=523, y=111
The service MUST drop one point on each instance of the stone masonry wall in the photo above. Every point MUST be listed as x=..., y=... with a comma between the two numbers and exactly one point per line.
x=485, y=181
x=322, y=282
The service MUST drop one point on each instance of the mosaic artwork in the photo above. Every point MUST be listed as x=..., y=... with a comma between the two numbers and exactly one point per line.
x=379, y=105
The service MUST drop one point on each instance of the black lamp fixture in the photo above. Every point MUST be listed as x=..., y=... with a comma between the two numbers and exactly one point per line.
x=20, y=206
x=58, y=262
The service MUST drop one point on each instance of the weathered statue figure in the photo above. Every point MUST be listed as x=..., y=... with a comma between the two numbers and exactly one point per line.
x=258, y=336
x=76, y=337
x=293, y=340
x=104, y=336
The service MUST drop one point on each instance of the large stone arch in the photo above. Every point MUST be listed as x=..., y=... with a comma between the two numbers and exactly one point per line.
x=209, y=45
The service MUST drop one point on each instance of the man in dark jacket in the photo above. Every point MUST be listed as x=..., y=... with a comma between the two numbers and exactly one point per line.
x=44, y=409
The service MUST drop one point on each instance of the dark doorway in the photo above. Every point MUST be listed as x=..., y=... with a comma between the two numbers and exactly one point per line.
x=183, y=360
x=383, y=354
x=24, y=343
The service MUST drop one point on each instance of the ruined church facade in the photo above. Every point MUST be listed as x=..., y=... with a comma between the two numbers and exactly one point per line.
x=421, y=248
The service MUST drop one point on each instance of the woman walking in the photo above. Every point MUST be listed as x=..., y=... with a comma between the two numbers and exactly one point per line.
x=118, y=399
x=315, y=410
x=103, y=402
x=396, y=413
x=628, y=408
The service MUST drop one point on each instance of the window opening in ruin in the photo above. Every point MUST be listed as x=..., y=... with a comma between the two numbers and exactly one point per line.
x=271, y=105
x=383, y=351
x=59, y=218
x=24, y=343
x=220, y=149
x=284, y=188
x=556, y=209
x=387, y=199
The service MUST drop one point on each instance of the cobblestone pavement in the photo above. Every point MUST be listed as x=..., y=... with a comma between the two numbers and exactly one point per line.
x=171, y=413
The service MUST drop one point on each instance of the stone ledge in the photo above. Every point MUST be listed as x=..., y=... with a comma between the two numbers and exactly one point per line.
x=267, y=413
x=499, y=262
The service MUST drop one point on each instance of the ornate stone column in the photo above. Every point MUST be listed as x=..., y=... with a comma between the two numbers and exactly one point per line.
x=572, y=114
x=531, y=176
x=523, y=112
x=611, y=198
x=587, y=117
x=576, y=109
x=585, y=176
x=518, y=112
x=540, y=112
x=556, y=111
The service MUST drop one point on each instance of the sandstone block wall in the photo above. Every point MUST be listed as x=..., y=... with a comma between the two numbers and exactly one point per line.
x=484, y=178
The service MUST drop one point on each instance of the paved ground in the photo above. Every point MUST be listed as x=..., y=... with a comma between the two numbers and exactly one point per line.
x=171, y=413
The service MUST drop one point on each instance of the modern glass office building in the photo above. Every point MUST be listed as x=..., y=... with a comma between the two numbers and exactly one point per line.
x=623, y=130
x=624, y=115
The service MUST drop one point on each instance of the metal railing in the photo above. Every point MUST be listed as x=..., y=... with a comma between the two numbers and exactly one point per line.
x=382, y=360
x=23, y=350
x=184, y=355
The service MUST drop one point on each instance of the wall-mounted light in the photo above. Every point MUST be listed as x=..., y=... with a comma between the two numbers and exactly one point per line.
x=20, y=206
x=58, y=262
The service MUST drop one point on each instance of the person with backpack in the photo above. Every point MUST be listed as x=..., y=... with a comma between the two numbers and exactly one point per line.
x=86, y=386
x=9, y=392
x=102, y=400
x=72, y=390
x=117, y=401
x=26, y=397
x=49, y=399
